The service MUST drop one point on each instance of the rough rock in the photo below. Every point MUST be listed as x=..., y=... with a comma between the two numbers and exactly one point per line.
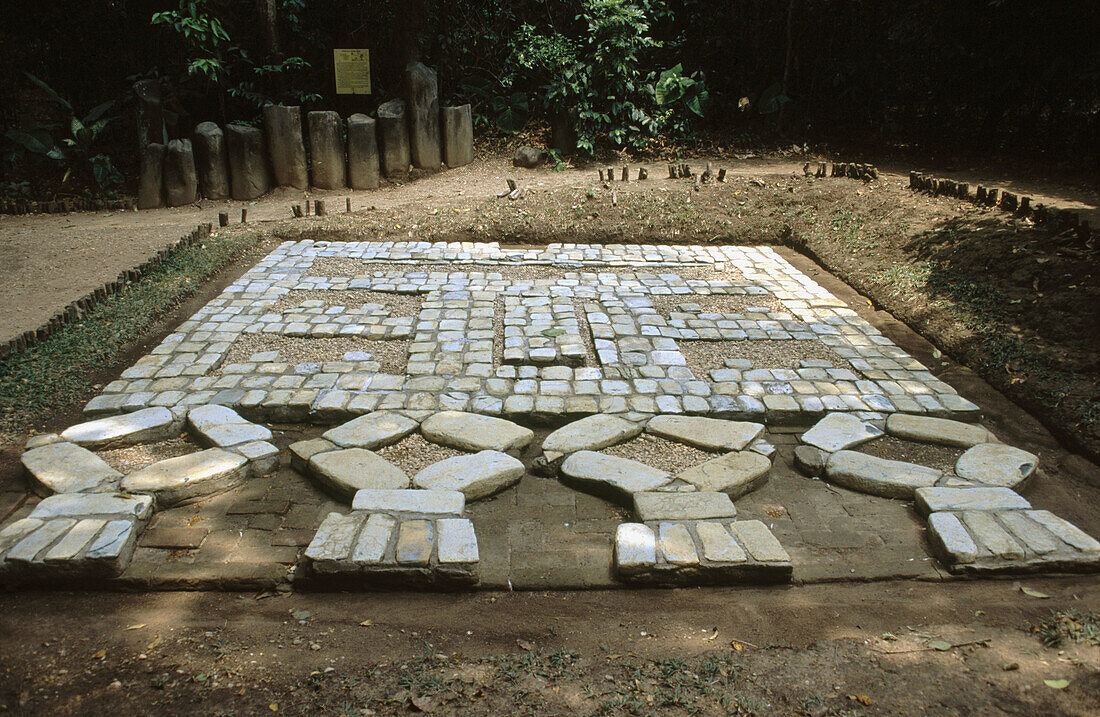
x=326, y=150
x=187, y=478
x=997, y=464
x=475, y=476
x=635, y=548
x=351, y=469
x=363, y=167
x=422, y=88
x=222, y=427
x=838, y=431
x=934, y=499
x=711, y=434
x=682, y=506
x=302, y=451
x=181, y=181
x=211, y=160
x=262, y=457
x=458, y=136
x=878, y=476
x=332, y=543
x=527, y=157
x=927, y=429
x=151, y=177
x=372, y=430
x=145, y=426
x=621, y=477
x=589, y=434
x=68, y=468
x=437, y=503
x=474, y=432
x=393, y=139
x=248, y=176
x=286, y=149
x=810, y=461
x=734, y=474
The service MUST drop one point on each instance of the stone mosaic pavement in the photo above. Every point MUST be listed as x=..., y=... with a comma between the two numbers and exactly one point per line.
x=265, y=418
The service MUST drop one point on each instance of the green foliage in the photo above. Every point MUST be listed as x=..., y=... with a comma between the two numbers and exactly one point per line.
x=680, y=99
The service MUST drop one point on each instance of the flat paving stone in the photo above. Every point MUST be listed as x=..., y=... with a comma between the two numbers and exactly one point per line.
x=935, y=499
x=734, y=474
x=927, y=429
x=67, y=505
x=810, y=461
x=145, y=426
x=878, y=476
x=185, y=479
x=759, y=541
x=635, y=549
x=68, y=468
x=457, y=542
x=682, y=506
x=302, y=451
x=711, y=434
x=996, y=464
x=589, y=434
x=718, y=544
x=331, y=546
x=476, y=476
x=676, y=545
x=474, y=432
x=618, y=477
x=837, y=431
x=352, y=469
x=439, y=503
x=372, y=430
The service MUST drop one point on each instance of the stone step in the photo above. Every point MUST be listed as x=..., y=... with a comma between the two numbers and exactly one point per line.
x=878, y=476
x=476, y=476
x=472, y=432
x=145, y=426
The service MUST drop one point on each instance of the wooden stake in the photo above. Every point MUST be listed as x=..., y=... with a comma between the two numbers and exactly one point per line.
x=626, y=174
x=223, y=219
x=244, y=215
x=722, y=175
x=601, y=175
x=296, y=210
x=347, y=205
x=319, y=207
x=672, y=171
x=511, y=185
x=642, y=174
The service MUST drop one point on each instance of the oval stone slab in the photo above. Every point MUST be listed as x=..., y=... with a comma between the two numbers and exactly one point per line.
x=710, y=434
x=620, y=477
x=474, y=432
x=735, y=473
x=373, y=430
x=996, y=464
x=838, y=431
x=352, y=469
x=475, y=476
x=187, y=478
x=878, y=476
x=68, y=468
x=927, y=429
x=589, y=434
x=146, y=425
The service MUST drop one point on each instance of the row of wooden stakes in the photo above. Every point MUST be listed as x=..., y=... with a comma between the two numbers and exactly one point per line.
x=66, y=206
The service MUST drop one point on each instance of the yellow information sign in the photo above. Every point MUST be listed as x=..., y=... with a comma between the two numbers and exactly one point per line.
x=352, y=71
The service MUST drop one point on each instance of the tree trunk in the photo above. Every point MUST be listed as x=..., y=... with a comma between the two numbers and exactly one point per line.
x=785, y=85
x=268, y=12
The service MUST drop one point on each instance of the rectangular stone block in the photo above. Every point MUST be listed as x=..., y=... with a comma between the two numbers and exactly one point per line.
x=442, y=503
x=718, y=545
x=759, y=541
x=987, y=532
x=74, y=541
x=114, y=545
x=951, y=539
x=654, y=506
x=331, y=546
x=1067, y=532
x=64, y=505
x=375, y=538
x=677, y=547
x=936, y=499
x=29, y=547
x=635, y=548
x=457, y=541
x=414, y=542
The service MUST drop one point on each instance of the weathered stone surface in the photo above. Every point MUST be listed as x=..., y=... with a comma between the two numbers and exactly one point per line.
x=351, y=469
x=374, y=540
x=474, y=432
x=810, y=461
x=759, y=541
x=950, y=540
x=621, y=477
x=718, y=545
x=1033, y=536
x=446, y=503
x=363, y=166
x=931, y=500
x=393, y=139
x=74, y=541
x=635, y=548
x=373, y=430
x=878, y=476
x=528, y=157
x=422, y=88
x=42, y=439
x=114, y=546
x=1067, y=532
x=326, y=150
x=302, y=451
x=682, y=506
x=589, y=434
x=186, y=478
x=151, y=177
x=677, y=547
x=927, y=429
x=456, y=541
x=15, y=531
x=735, y=473
x=331, y=546
x=262, y=457
x=181, y=181
x=458, y=136
x=67, y=505
x=711, y=434
x=414, y=542
x=997, y=464
x=68, y=468
x=987, y=532
x=248, y=174
x=286, y=149
x=211, y=160
x=475, y=476
x=31, y=546
x=838, y=431
x=222, y=427
x=144, y=426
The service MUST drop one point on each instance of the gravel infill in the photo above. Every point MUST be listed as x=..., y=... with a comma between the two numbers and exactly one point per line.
x=356, y=268
x=726, y=304
x=705, y=356
x=939, y=457
x=392, y=355
x=398, y=304
x=132, y=458
x=414, y=453
x=660, y=453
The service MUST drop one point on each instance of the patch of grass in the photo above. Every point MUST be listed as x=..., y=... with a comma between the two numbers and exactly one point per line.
x=1069, y=625
x=56, y=372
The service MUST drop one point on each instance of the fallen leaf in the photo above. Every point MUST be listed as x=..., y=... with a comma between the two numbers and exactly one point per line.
x=711, y=638
x=861, y=698
x=300, y=614
x=366, y=623
x=137, y=626
x=524, y=645
x=737, y=646
x=940, y=645
x=1056, y=684
x=156, y=641
x=99, y=654
x=274, y=706
x=1033, y=593
x=552, y=332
